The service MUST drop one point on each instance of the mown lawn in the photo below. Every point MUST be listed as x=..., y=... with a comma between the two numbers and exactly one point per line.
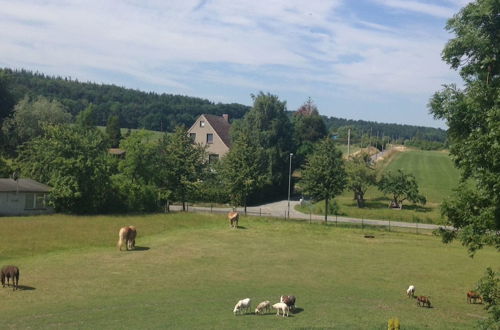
x=435, y=175
x=190, y=269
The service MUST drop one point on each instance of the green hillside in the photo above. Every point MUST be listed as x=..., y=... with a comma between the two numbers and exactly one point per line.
x=435, y=175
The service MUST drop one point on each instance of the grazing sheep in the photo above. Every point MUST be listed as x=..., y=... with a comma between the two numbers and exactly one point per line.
x=263, y=306
x=243, y=304
x=8, y=272
x=473, y=296
x=411, y=291
x=281, y=306
x=289, y=301
x=423, y=300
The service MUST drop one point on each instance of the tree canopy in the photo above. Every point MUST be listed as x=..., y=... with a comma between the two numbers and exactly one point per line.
x=323, y=176
x=401, y=186
x=473, y=116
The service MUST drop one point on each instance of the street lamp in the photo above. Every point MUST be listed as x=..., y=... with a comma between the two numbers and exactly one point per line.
x=289, y=183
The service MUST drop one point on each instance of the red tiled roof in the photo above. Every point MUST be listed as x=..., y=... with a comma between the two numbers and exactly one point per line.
x=221, y=127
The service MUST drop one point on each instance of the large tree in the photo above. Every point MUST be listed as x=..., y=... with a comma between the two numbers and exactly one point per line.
x=75, y=162
x=269, y=128
x=360, y=176
x=243, y=170
x=182, y=165
x=323, y=176
x=308, y=128
x=29, y=117
x=473, y=116
x=401, y=186
x=113, y=130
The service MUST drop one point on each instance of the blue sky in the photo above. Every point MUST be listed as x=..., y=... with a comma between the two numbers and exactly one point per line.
x=377, y=60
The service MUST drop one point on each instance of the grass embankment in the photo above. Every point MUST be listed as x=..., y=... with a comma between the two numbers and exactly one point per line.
x=190, y=269
x=436, y=177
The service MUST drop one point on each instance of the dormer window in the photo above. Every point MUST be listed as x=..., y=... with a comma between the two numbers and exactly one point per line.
x=202, y=123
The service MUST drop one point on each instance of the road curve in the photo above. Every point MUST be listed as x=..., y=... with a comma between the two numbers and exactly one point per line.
x=280, y=210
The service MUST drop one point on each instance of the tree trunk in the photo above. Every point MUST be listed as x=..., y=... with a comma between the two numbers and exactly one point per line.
x=326, y=210
x=183, y=206
x=360, y=200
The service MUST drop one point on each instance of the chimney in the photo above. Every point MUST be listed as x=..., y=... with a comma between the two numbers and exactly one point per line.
x=226, y=117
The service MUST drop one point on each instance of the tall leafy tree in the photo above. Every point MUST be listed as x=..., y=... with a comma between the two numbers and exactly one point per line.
x=6, y=98
x=113, y=130
x=473, y=116
x=401, y=186
x=75, y=162
x=243, y=170
x=269, y=128
x=323, y=176
x=360, y=176
x=137, y=177
x=308, y=128
x=182, y=165
x=29, y=117
x=87, y=117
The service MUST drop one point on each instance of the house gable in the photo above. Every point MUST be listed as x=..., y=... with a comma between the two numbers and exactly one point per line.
x=212, y=131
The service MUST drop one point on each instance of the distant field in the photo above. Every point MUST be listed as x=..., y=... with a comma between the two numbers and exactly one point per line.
x=190, y=269
x=436, y=177
x=155, y=135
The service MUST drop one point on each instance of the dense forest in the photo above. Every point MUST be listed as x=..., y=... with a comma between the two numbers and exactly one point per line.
x=163, y=112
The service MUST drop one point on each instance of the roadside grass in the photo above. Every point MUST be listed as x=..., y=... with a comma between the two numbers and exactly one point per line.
x=435, y=175
x=190, y=270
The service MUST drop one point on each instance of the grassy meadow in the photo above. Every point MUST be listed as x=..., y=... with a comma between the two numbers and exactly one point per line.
x=189, y=270
x=436, y=177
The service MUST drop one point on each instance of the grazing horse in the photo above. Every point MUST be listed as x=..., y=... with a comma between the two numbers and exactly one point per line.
x=126, y=237
x=233, y=219
x=8, y=272
x=411, y=291
x=473, y=296
x=423, y=300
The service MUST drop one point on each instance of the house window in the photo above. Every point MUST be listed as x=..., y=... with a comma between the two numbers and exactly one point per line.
x=29, y=202
x=210, y=138
x=192, y=136
x=213, y=158
x=202, y=123
x=34, y=201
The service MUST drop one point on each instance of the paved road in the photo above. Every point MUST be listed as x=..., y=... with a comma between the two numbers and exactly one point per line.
x=280, y=210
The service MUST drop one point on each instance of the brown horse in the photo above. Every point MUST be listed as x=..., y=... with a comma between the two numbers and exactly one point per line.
x=8, y=272
x=423, y=301
x=233, y=219
x=473, y=297
x=126, y=237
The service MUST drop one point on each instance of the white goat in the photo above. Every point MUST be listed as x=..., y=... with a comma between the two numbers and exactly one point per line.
x=281, y=307
x=263, y=306
x=411, y=291
x=243, y=304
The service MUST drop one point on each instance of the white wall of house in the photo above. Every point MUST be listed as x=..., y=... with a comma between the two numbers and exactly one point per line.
x=24, y=203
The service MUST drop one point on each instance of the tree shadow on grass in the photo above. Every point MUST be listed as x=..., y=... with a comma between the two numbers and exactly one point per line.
x=140, y=248
x=417, y=208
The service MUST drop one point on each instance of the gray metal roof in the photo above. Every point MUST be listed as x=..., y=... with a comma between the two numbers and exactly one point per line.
x=22, y=185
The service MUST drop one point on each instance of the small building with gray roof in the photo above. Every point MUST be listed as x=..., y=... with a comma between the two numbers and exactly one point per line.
x=23, y=197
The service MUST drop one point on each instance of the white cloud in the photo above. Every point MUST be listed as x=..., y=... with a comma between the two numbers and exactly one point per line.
x=281, y=45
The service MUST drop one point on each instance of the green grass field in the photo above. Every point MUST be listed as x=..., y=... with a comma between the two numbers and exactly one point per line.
x=436, y=177
x=190, y=269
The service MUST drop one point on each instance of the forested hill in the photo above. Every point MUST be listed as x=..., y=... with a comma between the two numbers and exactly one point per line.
x=136, y=109
x=162, y=112
x=394, y=131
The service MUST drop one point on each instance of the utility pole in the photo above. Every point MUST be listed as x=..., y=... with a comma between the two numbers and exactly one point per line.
x=348, y=141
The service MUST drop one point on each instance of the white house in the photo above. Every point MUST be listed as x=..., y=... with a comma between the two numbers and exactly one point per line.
x=23, y=197
x=212, y=131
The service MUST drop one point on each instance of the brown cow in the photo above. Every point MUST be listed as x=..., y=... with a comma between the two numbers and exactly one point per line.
x=473, y=297
x=233, y=219
x=423, y=300
x=8, y=272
